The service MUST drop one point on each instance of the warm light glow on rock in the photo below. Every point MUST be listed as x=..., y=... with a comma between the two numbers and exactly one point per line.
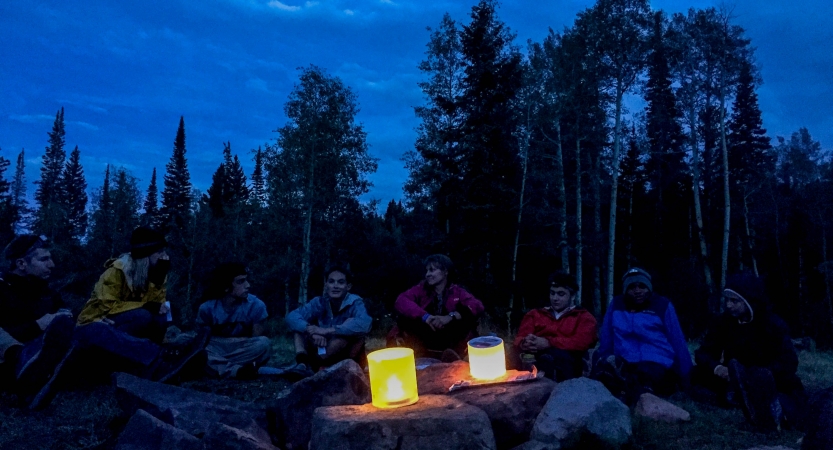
x=392, y=377
x=487, y=359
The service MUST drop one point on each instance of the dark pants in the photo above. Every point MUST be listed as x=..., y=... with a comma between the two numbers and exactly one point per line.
x=141, y=323
x=627, y=381
x=556, y=363
x=338, y=349
x=96, y=336
x=426, y=342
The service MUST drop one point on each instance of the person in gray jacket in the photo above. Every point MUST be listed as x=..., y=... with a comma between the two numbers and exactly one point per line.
x=332, y=327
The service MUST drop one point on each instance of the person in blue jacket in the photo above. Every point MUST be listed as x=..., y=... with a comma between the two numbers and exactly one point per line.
x=332, y=327
x=641, y=345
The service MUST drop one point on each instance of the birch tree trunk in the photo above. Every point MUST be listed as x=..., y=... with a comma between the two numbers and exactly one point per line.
x=614, y=192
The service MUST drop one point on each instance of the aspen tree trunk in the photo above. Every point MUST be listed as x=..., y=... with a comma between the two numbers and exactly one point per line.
x=306, y=256
x=750, y=246
x=597, y=230
x=614, y=192
x=727, y=204
x=562, y=199
x=579, y=246
x=524, y=145
x=698, y=211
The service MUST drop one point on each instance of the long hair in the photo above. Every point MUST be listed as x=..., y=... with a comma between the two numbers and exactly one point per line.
x=136, y=272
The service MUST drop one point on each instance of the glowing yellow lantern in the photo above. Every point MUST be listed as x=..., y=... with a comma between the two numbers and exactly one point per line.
x=487, y=359
x=392, y=377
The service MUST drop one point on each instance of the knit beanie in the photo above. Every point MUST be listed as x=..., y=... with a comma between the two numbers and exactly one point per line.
x=636, y=275
x=21, y=246
x=145, y=242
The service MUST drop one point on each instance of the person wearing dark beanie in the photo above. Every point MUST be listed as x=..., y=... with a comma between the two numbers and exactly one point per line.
x=641, y=344
x=748, y=359
x=130, y=295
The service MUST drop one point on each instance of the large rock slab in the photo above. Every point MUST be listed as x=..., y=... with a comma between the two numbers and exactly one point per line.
x=653, y=407
x=342, y=384
x=435, y=422
x=224, y=437
x=437, y=378
x=512, y=407
x=145, y=432
x=583, y=410
x=819, y=422
x=186, y=409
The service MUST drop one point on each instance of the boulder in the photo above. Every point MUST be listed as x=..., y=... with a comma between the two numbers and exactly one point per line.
x=435, y=422
x=779, y=447
x=512, y=407
x=437, y=378
x=145, y=432
x=186, y=409
x=582, y=410
x=538, y=445
x=819, y=422
x=224, y=437
x=342, y=384
x=653, y=407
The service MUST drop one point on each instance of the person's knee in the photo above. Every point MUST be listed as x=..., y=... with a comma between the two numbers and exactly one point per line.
x=262, y=344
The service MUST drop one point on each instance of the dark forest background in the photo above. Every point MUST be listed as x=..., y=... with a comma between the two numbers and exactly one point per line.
x=527, y=161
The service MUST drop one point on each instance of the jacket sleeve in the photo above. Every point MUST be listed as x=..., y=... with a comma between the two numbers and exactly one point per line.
x=606, y=334
x=106, y=292
x=359, y=322
x=299, y=319
x=204, y=317
x=582, y=339
x=527, y=327
x=710, y=351
x=406, y=304
x=469, y=301
x=678, y=342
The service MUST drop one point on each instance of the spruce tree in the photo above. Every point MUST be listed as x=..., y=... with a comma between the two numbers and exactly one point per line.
x=235, y=190
x=74, y=195
x=50, y=216
x=8, y=212
x=150, y=218
x=216, y=192
x=101, y=232
x=19, y=192
x=176, y=197
x=750, y=154
x=258, y=190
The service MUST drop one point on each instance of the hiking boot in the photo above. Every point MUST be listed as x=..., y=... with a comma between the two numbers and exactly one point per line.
x=755, y=390
x=38, y=369
x=298, y=372
x=173, y=358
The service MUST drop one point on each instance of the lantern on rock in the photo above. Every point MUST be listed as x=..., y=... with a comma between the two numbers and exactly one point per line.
x=392, y=377
x=487, y=359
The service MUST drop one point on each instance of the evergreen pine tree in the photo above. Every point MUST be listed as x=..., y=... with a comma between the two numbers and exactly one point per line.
x=216, y=192
x=74, y=195
x=258, y=190
x=750, y=154
x=19, y=192
x=176, y=197
x=150, y=218
x=101, y=232
x=50, y=216
x=235, y=191
x=8, y=212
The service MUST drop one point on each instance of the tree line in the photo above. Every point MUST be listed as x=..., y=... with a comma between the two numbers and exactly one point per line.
x=526, y=161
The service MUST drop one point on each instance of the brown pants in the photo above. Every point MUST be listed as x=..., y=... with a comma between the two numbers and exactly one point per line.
x=227, y=354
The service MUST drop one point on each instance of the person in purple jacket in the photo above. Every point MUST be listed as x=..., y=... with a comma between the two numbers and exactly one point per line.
x=641, y=345
x=436, y=318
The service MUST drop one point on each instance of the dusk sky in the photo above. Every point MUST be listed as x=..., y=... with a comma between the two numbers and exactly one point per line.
x=126, y=71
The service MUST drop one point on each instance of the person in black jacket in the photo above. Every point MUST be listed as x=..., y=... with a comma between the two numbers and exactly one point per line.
x=33, y=315
x=748, y=358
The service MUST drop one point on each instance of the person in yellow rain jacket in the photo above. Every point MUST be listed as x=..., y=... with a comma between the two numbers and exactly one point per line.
x=130, y=294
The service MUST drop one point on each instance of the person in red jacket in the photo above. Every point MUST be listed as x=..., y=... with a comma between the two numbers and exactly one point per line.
x=436, y=318
x=559, y=335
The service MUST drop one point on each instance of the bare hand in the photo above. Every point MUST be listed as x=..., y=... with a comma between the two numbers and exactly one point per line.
x=722, y=372
x=318, y=340
x=107, y=321
x=438, y=322
x=164, y=309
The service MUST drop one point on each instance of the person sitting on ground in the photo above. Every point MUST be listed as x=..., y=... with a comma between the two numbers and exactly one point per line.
x=436, y=318
x=331, y=327
x=748, y=355
x=641, y=345
x=36, y=326
x=558, y=336
x=236, y=318
x=130, y=295
x=126, y=317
